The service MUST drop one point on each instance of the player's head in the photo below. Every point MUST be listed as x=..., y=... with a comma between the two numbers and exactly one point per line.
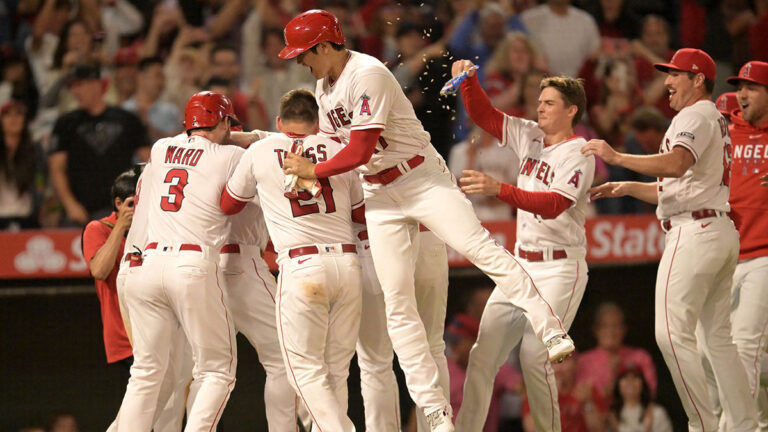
x=609, y=327
x=86, y=85
x=752, y=91
x=690, y=77
x=649, y=126
x=124, y=186
x=726, y=103
x=562, y=103
x=211, y=114
x=298, y=113
x=315, y=39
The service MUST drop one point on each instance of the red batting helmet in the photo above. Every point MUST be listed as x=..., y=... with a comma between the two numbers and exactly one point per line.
x=309, y=29
x=207, y=109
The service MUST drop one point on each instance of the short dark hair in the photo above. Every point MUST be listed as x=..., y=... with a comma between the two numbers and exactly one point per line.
x=217, y=81
x=299, y=105
x=222, y=46
x=646, y=118
x=709, y=85
x=334, y=45
x=124, y=185
x=146, y=62
x=572, y=90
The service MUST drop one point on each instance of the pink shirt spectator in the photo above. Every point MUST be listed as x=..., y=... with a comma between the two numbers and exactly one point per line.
x=595, y=365
x=507, y=380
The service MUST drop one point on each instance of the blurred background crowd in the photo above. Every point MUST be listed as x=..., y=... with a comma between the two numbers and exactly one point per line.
x=88, y=85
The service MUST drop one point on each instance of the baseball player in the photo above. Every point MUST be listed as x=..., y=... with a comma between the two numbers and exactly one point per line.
x=405, y=183
x=318, y=299
x=551, y=197
x=749, y=204
x=726, y=103
x=251, y=290
x=177, y=283
x=701, y=248
x=378, y=384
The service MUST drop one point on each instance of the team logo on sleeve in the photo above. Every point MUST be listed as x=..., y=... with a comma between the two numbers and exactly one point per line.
x=575, y=178
x=365, y=108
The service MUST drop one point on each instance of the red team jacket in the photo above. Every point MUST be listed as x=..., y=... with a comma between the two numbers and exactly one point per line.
x=115, y=339
x=749, y=200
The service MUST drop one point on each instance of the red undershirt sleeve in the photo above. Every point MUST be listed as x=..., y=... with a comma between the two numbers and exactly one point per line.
x=229, y=204
x=362, y=144
x=480, y=109
x=548, y=205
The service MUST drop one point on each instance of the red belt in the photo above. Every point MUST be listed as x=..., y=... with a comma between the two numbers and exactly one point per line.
x=539, y=255
x=389, y=175
x=310, y=250
x=183, y=247
x=230, y=248
x=696, y=215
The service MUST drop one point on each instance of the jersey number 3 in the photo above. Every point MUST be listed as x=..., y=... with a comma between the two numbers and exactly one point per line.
x=176, y=179
x=299, y=209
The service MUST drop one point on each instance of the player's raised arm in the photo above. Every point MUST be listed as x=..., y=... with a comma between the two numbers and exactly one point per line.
x=476, y=101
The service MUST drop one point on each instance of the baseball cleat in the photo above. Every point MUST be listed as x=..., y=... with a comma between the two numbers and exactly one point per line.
x=559, y=347
x=439, y=420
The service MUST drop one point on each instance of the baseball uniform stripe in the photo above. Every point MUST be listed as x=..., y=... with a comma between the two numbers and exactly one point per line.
x=669, y=333
x=229, y=369
x=551, y=396
x=565, y=194
x=256, y=269
x=757, y=359
x=688, y=147
x=238, y=197
x=573, y=289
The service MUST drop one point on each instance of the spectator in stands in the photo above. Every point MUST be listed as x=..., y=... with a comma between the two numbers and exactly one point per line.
x=482, y=152
x=653, y=47
x=565, y=35
x=757, y=31
x=225, y=63
x=582, y=408
x=421, y=70
x=633, y=409
x=460, y=335
x=617, y=98
x=615, y=19
x=257, y=112
x=90, y=147
x=63, y=422
x=600, y=366
x=528, y=102
x=18, y=168
x=161, y=118
x=125, y=76
x=16, y=81
x=647, y=126
x=480, y=33
x=103, y=244
x=186, y=65
x=513, y=58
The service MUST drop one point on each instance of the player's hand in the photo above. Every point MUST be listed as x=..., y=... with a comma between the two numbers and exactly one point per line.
x=474, y=182
x=609, y=190
x=299, y=165
x=602, y=149
x=460, y=66
x=76, y=212
x=125, y=214
x=764, y=180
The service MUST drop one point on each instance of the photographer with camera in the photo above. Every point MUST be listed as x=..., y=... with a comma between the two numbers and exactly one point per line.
x=103, y=242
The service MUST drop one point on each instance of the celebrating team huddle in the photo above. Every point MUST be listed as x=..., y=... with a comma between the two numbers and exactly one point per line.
x=360, y=228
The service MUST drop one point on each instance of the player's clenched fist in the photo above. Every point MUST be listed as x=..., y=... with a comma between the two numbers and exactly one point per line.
x=609, y=190
x=597, y=147
x=301, y=166
x=460, y=66
x=477, y=182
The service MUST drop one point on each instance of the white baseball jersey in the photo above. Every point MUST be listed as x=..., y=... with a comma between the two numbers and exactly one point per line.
x=248, y=226
x=137, y=234
x=189, y=174
x=367, y=96
x=304, y=220
x=559, y=168
x=704, y=132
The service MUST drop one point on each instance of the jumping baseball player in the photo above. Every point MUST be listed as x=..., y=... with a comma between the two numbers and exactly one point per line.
x=252, y=290
x=551, y=197
x=749, y=205
x=177, y=283
x=318, y=300
x=405, y=183
x=693, y=284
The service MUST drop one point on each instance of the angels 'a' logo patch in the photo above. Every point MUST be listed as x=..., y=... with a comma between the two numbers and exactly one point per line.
x=364, y=107
x=575, y=178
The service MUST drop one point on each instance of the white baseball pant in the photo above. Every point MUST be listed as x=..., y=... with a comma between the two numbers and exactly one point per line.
x=562, y=282
x=179, y=287
x=318, y=319
x=251, y=290
x=429, y=194
x=693, y=288
x=374, y=348
x=171, y=402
